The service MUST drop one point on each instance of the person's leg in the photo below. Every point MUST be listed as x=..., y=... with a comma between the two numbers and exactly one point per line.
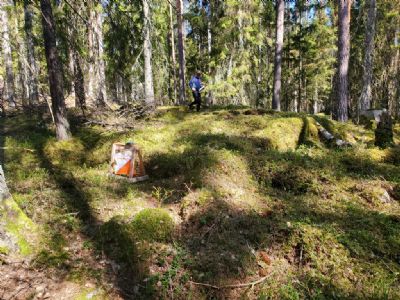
x=198, y=101
x=194, y=102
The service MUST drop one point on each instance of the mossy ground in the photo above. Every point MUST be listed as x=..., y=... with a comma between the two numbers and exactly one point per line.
x=230, y=186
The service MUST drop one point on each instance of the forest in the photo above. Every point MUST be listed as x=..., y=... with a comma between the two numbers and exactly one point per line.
x=283, y=183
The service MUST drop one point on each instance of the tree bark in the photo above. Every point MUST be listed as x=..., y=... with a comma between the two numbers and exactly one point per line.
x=173, y=55
x=342, y=87
x=7, y=56
x=101, y=93
x=30, y=52
x=91, y=76
x=79, y=83
x=147, y=52
x=366, y=94
x=181, y=52
x=280, y=8
x=54, y=72
x=96, y=82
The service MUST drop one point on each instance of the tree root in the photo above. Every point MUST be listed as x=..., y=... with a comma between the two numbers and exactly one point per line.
x=233, y=286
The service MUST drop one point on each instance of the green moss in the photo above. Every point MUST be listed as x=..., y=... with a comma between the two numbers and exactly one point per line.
x=282, y=133
x=94, y=294
x=4, y=250
x=153, y=224
x=65, y=153
x=19, y=226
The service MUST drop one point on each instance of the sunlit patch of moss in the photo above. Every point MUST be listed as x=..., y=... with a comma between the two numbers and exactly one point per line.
x=95, y=294
x=322, y=257
x=284, y=133
x=19, y=226
x=153, y=224
x=4, y=250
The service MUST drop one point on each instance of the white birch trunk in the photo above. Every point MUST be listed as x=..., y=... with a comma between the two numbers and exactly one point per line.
x=30, y=53
x=101, y=72
x=6, y=51
x=147, y=49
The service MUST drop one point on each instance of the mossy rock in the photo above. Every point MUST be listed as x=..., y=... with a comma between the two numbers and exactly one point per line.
x=283, y=133
x=65, y=153
x=373, y=192
x=153, y=224
x=17, y=232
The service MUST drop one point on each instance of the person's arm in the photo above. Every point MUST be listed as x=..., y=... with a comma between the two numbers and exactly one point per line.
x=201, y=85
x=191, y=84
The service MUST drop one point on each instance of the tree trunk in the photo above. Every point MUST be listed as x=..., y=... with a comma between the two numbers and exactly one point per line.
x=101, y=89
x=147, y=49
x=30, y=51
x=209, y=49
x=22, y=90
x=7, y=56
x=91, y=76
x=280, y=8
x=181, y=52
x=54, y=71
x=366, y=94
x=79, y=83
x=96, y=82
x=173, y=55
x=342, y=87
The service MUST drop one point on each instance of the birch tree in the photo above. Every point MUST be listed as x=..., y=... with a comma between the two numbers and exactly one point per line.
x=181, y=52
x=30, y=53
x=147, y=49
x=6, y=52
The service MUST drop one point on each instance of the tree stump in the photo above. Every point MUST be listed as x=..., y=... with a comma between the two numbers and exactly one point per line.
x=384, y=131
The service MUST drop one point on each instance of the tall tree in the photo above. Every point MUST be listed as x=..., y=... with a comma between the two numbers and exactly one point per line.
x=54, y=72
x=342, y=83
x=173, y=55
x=366, y=94
x=30, y=52
x=181, y=52
x=96, y=89
x=280, y=8
x=147, y=51
x=6, y=51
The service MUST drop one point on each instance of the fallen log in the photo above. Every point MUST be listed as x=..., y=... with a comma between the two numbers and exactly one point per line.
x=330, y=137
x=105, y=124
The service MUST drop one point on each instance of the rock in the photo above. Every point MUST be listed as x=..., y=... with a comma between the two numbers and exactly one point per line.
x=39, y=288
x=385, y=197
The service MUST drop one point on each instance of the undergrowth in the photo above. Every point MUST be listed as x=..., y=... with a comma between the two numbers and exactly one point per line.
x=234, y=195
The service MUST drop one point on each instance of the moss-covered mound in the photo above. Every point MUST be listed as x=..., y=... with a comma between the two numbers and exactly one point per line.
x=153, y=224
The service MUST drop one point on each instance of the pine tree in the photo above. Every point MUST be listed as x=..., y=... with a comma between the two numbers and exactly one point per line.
x=54, y=72
x=342, y=88
x=280, y=8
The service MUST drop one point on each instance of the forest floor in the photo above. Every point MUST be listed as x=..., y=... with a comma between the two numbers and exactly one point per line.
x=235, y=196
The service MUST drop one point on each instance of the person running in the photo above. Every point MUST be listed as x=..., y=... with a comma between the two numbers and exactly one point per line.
x=196, y=85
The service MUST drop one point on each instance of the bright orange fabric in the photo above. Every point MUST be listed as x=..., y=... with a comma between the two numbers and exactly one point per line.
x=125, y=169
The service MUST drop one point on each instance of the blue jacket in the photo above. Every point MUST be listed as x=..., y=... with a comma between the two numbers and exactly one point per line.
x=195, y=82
